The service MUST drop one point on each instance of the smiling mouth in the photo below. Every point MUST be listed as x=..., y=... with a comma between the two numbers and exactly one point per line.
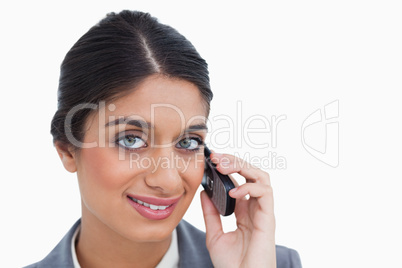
x=151, y=206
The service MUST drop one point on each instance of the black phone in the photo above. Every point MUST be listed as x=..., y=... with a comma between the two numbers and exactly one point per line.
x=217, y=186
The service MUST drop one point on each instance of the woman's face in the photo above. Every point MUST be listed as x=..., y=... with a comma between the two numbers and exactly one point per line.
x=140, y=178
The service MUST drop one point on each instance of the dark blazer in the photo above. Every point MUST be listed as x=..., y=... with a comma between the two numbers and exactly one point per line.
x=192, y=251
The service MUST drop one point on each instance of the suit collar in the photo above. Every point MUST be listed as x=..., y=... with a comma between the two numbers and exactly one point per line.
x=192, y=250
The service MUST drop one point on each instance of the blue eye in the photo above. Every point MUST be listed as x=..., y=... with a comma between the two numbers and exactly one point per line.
x=190, y=144
x=131, y=142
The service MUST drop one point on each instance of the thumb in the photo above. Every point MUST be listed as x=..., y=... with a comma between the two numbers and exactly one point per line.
x=212, y=219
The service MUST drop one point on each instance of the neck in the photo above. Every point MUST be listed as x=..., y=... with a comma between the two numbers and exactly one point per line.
x=99, y=246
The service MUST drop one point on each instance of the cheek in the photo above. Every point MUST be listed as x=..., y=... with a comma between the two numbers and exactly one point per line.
x=193, y=174
x=101, y=169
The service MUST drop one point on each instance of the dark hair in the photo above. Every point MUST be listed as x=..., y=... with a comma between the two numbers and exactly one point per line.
x=116, y=55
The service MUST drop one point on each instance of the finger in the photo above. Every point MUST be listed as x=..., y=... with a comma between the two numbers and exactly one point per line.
x=263, y=194
x=212, y=219
x=253, y=189
x=236, y=184
x=227, y=164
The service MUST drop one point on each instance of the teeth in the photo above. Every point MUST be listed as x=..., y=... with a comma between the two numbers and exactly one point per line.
x=153, y=207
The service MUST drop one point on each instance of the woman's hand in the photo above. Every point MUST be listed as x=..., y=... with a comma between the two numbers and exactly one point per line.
x=252, y=244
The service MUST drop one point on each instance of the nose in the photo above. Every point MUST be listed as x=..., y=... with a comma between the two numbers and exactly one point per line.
x=163, y=175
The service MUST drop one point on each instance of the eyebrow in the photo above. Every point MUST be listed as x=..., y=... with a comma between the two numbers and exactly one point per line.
x=196, y=127
x=144, y=124
x=131, y=122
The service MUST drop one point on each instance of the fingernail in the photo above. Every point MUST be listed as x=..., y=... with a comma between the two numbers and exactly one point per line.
x=217, y=155
x=234, y=190
x=224, y=164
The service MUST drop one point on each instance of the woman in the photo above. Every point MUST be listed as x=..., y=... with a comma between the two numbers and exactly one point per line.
x=133, y=104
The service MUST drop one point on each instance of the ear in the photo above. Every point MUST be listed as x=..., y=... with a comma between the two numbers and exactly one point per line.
x=67, y=156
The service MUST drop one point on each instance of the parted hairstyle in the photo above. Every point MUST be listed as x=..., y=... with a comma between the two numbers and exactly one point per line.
x=112, y=58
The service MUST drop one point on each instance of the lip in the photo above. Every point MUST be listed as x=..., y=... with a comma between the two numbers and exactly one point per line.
x=150, y=213
x=156, y=201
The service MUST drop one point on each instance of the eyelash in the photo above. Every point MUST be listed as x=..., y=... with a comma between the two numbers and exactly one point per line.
x=198, y=140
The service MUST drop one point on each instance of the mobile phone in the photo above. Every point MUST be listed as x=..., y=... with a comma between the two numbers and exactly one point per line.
x=217, y=186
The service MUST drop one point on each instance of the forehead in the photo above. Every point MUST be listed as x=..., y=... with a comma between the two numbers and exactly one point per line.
x=162, y=101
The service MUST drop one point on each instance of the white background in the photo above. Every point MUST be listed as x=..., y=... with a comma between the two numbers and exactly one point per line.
x=279, y=58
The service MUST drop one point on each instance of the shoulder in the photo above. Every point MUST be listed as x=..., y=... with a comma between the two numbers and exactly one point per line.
x=192, y=248
x=60, y=256
x=186, y=230
x=194, y=253
x=287, y=258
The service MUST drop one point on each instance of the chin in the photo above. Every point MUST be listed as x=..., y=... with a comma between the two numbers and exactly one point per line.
x=153, y=232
